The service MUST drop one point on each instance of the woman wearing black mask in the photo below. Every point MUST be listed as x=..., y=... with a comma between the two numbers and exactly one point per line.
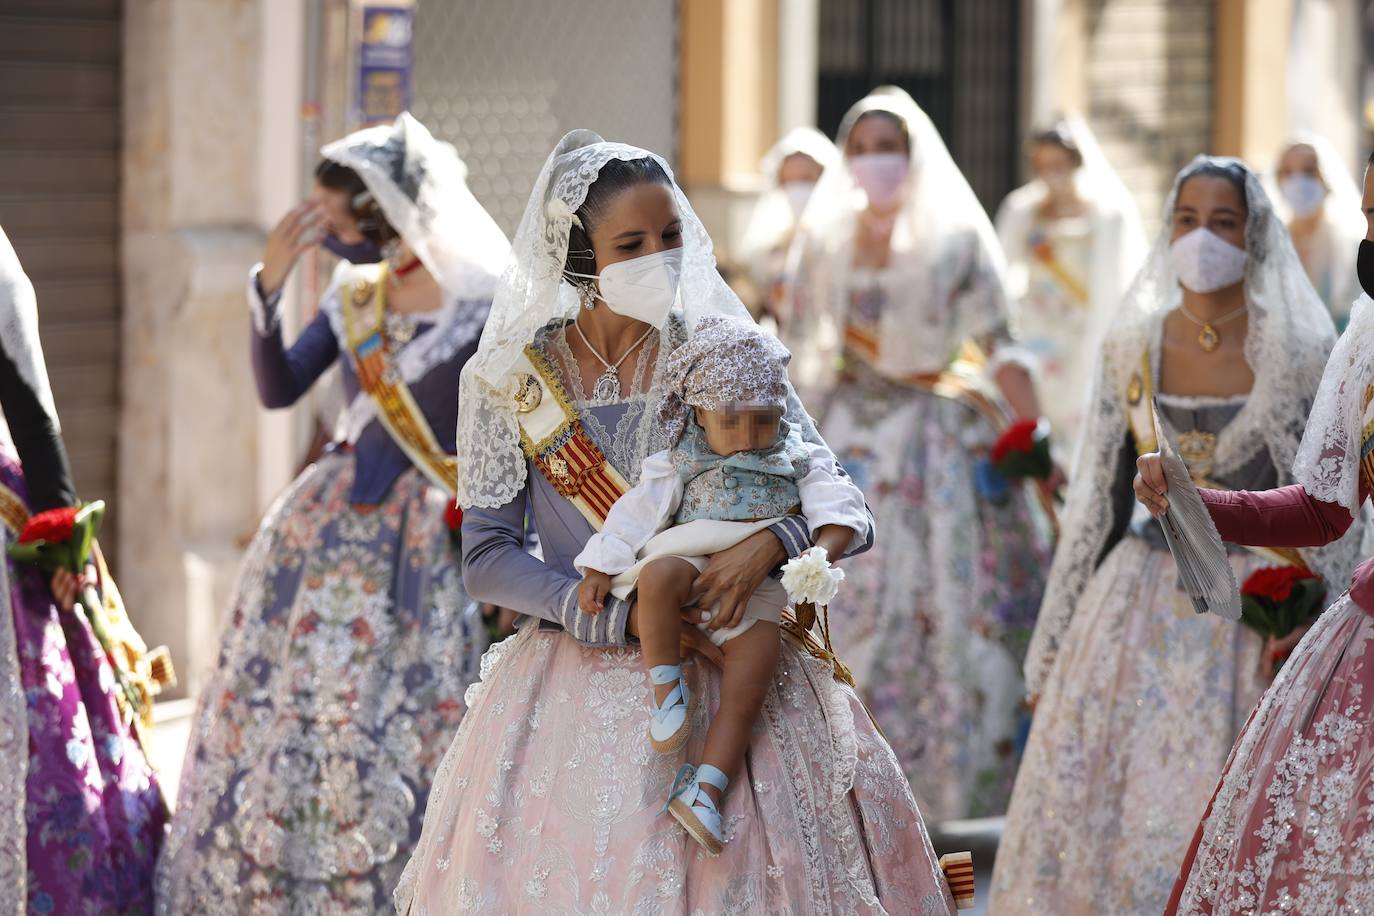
x=348, y=651
x=1289, y=826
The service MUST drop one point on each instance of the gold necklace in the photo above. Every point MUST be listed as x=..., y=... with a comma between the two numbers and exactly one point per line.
x=607, y=386
x=1208, y=337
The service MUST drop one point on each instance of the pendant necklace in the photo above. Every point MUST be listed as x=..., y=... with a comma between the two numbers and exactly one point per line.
x=607, y=386
x=1209, y=338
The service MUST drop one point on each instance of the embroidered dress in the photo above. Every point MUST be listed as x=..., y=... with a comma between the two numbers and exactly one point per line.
x=1140, y=697
x=550, y=799
x=934, y=622
x=349, y=640
x=1289, y=828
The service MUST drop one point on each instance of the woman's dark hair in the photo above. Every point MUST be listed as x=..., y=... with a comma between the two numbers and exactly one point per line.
x=615, y=176
x=371, y=222
x=1231, y=172
x=1058, y=134
x=879, y=113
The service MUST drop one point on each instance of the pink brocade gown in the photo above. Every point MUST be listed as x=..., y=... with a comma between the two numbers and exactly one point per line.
x=1291, y=826
x=550, y=800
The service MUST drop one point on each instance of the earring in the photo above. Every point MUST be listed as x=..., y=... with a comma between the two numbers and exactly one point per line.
x=588, y=301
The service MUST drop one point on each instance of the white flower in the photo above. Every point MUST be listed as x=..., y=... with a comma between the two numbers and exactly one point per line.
x=557, y=209
x=810, y=579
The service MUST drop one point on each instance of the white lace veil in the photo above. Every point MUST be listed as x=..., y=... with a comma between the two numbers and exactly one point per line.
x=772, y=220
x=421, y=186
x=945, y=259
x=533, y=293
x=1286, y=345
x=1328, y=462
x=1342, y=212
x=1119, y=243
x=19, y=326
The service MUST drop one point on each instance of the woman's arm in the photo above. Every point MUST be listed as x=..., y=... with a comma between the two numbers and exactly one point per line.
x=46, y=471
x=283, y=375
x=497, y=570
x=1285, y=517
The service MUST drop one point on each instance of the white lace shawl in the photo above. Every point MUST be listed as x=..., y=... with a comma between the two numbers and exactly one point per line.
x=1328, y=461
x=946, y=268
x=1289, y=337
x=771, y=221
x=533, y=296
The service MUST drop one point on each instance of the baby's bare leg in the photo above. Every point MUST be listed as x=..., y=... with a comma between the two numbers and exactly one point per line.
x=750, y=662
x=665, y=585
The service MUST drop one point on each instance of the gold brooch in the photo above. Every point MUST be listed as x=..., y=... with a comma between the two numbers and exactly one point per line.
x=558, y=467
x=528, y=393
x=362, y=293
x=1196, y=447
x=1134, y=389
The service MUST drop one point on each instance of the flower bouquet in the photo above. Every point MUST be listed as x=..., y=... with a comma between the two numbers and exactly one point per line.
x=64, y=539
x=1023, y=450
x=1276, y=600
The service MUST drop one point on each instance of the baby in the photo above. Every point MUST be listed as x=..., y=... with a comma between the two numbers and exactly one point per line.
x=734, y=466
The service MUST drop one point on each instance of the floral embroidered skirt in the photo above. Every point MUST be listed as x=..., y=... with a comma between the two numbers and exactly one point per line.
x=1291, y=826
x=551, y=800
x=338, y=688
x=1134, y=725
x=934, y=621
x=81, y=815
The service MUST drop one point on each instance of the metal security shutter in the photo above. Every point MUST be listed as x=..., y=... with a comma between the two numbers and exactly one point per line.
x=59, y=204
x=959, y=59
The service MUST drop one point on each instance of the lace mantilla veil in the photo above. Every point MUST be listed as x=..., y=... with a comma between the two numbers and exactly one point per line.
x=772, y=219
x=1328, y=462
x=421, y=186
x=533, y=295
x=1289, y=337
x=941, y=232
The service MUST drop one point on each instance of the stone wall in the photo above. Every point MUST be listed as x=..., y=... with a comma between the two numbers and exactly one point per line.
x=191, y=455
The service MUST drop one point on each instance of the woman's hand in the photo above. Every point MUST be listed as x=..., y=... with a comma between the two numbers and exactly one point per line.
x=297, y=232
x=694, y=640
x=65, y=587
x=1276, y=651
x=732, y=575
x=1151, y=486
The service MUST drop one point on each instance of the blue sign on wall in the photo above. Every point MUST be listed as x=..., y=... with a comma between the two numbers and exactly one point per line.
x=385, y=59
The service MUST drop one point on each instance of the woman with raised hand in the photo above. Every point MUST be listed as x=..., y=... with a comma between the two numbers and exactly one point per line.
x=350, y=642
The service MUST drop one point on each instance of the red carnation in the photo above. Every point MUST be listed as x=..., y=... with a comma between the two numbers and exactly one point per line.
x=53, y=527
x=1275, y=582
x=1019, y=437
x=453, y=515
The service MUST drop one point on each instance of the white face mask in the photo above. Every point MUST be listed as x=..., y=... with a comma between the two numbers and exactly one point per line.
x=642, y=288
x=798, y=193
x=1304, y=193
x=1205, y=262
x=880, y=175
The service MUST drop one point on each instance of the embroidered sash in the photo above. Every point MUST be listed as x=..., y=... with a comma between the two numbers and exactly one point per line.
x=552, y=436
x=364, y=314
x=1367, y=440
x=1195, y=448
x=1043, y=252
x=14, y=515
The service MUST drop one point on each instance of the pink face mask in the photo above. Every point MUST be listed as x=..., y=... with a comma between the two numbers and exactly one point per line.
x=880, y=175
